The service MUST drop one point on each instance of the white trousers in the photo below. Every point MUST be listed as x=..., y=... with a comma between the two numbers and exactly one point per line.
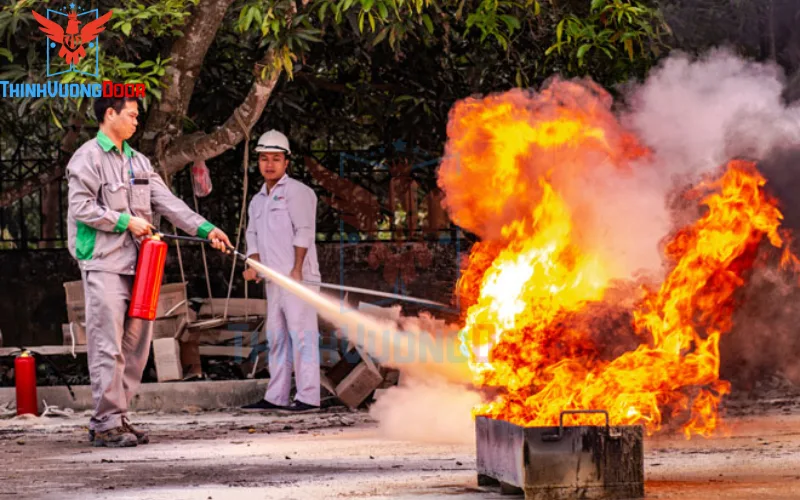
x=293, y=342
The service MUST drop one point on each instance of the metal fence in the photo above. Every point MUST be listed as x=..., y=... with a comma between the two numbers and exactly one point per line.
x=385, y=193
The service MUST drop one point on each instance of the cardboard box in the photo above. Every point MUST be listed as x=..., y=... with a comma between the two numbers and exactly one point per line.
x=167, y=354
x=355, y=376
x=79, y=330
x=359, y=384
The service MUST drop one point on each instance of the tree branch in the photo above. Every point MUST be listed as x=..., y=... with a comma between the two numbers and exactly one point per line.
x=187, y=54
x=203, y=146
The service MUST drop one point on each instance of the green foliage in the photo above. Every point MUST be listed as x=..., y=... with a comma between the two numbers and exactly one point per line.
x=155, y=18
x=390, y=20
x=617, y=30
x=500, y=19
x=435, y=51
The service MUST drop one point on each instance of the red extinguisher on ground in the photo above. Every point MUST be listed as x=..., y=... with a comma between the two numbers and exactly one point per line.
x=25, y=380
x=149, y=274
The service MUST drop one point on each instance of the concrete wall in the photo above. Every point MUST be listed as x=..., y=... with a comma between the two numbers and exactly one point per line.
x=32, y=300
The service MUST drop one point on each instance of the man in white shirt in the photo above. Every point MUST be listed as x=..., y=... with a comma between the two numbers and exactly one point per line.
x=281, y=234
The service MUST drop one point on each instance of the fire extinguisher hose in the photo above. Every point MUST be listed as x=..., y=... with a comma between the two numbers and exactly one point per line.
x=321, y=285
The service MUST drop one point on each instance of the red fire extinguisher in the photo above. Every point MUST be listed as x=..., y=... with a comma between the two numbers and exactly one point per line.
x=25, y=379
x=147, y=283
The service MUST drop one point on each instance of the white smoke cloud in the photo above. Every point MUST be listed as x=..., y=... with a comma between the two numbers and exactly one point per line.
x=695, y=114
x=428, y=410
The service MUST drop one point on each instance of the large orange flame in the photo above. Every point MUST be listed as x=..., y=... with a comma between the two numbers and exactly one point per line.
x=509, y=163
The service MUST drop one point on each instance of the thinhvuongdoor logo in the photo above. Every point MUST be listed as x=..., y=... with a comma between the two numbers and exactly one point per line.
x=70, y=32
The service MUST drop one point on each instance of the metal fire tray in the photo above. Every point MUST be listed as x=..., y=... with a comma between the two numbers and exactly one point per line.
x=555, y=463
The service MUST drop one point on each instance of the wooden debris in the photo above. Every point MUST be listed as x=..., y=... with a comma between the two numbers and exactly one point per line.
x=225, y=350
x=173, y=314
x=326, y=383
x=236, y=308
x=328, y=357
x=190, y=360
x=223, y=336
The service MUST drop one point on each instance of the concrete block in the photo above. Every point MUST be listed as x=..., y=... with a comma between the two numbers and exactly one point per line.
x=167, y=397
x=236, y=307
x=167, y=356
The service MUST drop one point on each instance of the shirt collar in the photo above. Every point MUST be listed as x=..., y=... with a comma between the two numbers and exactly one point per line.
x=107, y=144
x=281, y=182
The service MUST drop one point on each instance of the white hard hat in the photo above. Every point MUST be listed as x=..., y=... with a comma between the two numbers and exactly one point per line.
x=273, y=142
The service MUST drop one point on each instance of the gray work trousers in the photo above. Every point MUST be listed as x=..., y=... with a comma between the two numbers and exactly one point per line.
x=118, y=346
x=293, y=339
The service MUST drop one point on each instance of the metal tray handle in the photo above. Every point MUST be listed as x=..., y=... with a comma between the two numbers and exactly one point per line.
x=560, y=434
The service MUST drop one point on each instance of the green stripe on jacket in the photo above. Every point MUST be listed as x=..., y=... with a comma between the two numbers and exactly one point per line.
x=84, y=241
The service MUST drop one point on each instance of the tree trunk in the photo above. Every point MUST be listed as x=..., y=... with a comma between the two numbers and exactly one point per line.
x=187, y=54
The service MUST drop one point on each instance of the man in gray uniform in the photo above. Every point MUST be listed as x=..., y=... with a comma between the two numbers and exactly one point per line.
x=113, y=191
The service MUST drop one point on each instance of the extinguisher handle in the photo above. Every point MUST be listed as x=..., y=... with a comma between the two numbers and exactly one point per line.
x=181, y=237
x=199, y=240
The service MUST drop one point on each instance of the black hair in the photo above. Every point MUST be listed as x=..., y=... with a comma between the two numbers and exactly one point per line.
x=101, y=104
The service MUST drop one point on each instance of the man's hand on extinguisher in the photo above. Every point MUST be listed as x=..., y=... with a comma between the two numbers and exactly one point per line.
x=139, y=227
x=219, y=240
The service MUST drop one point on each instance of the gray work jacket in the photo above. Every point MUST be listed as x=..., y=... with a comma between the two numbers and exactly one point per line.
x=107, y=187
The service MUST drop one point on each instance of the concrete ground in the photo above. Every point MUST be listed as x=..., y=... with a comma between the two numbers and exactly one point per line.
x=217, y=455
